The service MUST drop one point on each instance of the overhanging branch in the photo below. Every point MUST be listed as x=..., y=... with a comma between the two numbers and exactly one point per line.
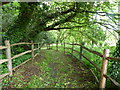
x=65, y=28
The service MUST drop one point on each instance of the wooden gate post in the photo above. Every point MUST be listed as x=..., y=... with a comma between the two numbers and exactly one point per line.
x=72, y=47
x=104, y=69
x=8, y=55
x=32, y=49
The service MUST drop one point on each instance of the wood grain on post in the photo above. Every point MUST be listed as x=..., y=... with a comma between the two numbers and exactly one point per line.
x=8, y=55
x=32, y=49
x=104, y=69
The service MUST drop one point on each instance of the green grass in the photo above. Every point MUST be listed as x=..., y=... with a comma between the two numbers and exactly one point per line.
x=45, y=80
x=56, y=71
x=96, y=59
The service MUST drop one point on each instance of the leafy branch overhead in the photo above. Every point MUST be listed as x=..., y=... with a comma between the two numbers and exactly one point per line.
x=31, y=18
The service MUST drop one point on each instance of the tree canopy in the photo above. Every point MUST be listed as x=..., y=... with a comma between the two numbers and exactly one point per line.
x=31, y=18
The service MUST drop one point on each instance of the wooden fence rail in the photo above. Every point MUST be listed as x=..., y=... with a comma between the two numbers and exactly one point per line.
x=103, y=70
x=97, y=53
x=21, y=54
x=105, y=57
x=9, y=58
x=3, y=60
x=3, y=47
x=86, y=59
x=97, y=81
x=19, y=44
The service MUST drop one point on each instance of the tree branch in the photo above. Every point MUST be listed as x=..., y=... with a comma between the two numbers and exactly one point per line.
x=65, y=28
x=61, y=21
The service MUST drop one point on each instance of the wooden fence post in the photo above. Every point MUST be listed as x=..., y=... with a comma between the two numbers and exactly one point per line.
x=38, y=47
x=32, y=49
x=64, y=47
x=46, y=45
x=104, y=69
x=57, y=45
x=49, y=45
x=61, y=43
x=8, y=55
x=72, y=47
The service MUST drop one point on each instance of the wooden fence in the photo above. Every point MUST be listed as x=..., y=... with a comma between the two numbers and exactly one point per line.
x=105, y=58
x=9, y=58
x=103, y=70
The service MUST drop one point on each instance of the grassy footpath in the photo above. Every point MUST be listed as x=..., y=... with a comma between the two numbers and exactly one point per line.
x=52, y=69
x=96, y=59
